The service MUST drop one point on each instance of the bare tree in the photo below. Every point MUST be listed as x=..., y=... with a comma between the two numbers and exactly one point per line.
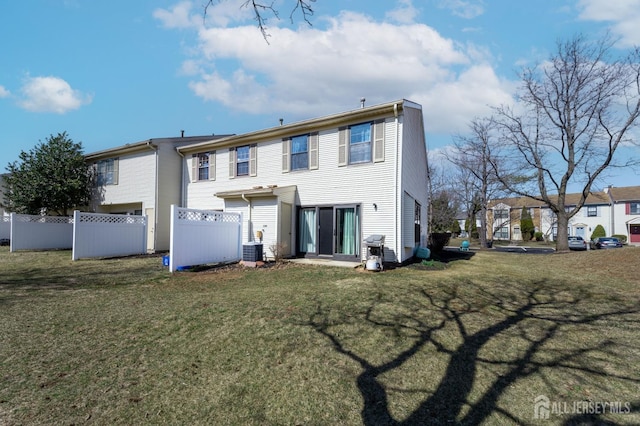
x=260, y=9
x=574, y=112
x=473, y=155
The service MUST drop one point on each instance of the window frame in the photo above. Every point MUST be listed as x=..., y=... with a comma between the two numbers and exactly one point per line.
x=592, y=211
x=243, y=162
x=360, y=143
x=107, y=171
x=634, y=208
x=301, y=154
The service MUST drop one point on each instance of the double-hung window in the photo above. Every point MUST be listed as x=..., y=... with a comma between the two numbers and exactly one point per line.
x=592, y=211
x=107, y=172
x=501, y=214
x=203, y=166
x=360, y=143
x=242, y=161
x=300, y=152
x=634, y=208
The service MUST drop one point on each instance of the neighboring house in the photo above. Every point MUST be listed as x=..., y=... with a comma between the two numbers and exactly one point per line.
x=504, y=217
x=142, y=178
x=317, y=188
x=625, y=219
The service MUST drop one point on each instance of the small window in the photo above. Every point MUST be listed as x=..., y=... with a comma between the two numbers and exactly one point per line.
x=300, y=152
x=107, y=172
x=242, y=161
x=634, y=208
x=360, y=143
x=592, y=211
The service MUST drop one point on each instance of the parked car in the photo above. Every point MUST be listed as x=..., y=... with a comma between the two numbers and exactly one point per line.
x=577, y=243
x=606, y=242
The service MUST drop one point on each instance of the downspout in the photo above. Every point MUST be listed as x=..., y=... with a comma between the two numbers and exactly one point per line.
x=249, y=223
x=183, y=195
x=155, y=197
x=398, y=192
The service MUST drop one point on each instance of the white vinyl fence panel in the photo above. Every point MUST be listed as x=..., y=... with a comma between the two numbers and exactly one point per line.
x=5, y=227
x=108, y=235
x=200, y=237
x=34, y=232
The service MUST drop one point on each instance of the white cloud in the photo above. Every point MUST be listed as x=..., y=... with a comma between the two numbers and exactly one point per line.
x=624, y=16
x=311, y=71
x=219, y=14
x=405, y=13
x=4, y=93
x=467, y=9
x=51, y=94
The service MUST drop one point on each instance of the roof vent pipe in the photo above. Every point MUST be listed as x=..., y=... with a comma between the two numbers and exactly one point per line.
x=281, y=121
x=182, y=133
x=362, y=102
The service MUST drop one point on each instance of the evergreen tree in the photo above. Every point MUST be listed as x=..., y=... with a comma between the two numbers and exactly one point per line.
x=526, y=225
x=53, y=177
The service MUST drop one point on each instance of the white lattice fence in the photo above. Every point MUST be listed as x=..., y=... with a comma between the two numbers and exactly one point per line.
x=203, y=236
x=108, y=235
x=34, y=232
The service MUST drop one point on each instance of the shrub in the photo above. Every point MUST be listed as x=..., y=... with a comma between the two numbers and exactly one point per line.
x=539, y=236
x=438, y=240
x=622, y=238
x=598, y=232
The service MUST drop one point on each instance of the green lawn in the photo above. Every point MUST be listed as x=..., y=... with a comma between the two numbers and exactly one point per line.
x=122, y=341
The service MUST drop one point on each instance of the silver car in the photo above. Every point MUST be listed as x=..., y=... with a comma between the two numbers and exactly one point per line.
x=577, y=243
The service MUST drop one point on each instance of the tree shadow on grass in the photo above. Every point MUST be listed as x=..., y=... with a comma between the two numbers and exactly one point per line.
x=461, y=323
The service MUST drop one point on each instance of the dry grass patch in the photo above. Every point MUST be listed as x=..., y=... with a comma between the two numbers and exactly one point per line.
x=124, y=342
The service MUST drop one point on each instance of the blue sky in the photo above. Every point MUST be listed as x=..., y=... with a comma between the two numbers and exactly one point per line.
x=119, y=71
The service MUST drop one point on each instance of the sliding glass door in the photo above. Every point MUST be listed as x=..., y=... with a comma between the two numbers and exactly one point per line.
x=330, y=231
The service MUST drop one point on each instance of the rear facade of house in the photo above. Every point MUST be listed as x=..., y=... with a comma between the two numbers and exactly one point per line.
x=318, y=188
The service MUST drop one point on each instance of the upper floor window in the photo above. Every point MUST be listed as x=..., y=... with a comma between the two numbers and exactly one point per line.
x=107, y=172
x=243, y=161
x=501, y=214
x=361, y=143
x=203, y=166
x=592, y=211
x=300, y=153
x=634, y=208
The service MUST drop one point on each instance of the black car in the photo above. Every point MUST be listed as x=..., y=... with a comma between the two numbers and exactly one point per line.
x=606, y=242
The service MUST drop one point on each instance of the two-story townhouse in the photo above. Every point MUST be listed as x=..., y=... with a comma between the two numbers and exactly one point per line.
x=625, y=219
x=142, y=178
x=504, y=215
x=317, y=188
